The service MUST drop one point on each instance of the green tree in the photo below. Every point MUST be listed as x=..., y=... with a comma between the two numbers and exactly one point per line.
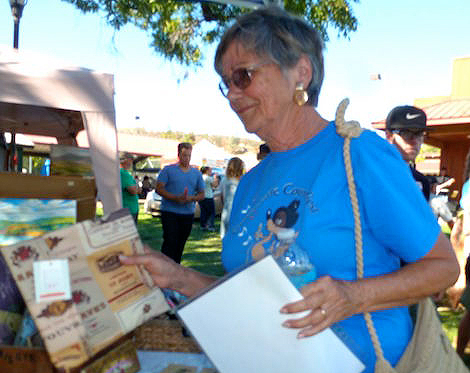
x=189, y=137
x=178, y=28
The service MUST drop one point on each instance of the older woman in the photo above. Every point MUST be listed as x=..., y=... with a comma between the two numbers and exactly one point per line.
x=271, y=66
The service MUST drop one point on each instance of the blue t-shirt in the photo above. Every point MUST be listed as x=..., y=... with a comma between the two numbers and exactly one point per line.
x=176, y=180
x=465, y=194
x=302, y=193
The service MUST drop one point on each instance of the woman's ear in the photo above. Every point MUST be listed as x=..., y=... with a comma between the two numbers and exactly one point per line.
x=304, y=70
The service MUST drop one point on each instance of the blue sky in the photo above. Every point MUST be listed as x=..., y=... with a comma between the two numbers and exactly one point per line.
x=412, y=44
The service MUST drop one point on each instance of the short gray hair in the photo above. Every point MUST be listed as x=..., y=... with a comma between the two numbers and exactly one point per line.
x=273, y=33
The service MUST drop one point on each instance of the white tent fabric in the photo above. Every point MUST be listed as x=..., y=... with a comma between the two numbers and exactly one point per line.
x=206, y=153
x=38, y=97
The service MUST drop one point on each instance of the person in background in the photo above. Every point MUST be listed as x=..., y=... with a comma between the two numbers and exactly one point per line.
x=405, y=128
x=263, y=152
x=146, y=187
x=440, y=207
x=129, y=187
x=233, y=173
x=207, y=205
x=463, y=333
x=180, y=186
x=271, y=67
x=444, y=181
x=46, y=168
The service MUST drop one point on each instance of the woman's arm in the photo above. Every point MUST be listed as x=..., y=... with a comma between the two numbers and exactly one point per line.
x=166, y=273
x=435, y=272
x=331, y=300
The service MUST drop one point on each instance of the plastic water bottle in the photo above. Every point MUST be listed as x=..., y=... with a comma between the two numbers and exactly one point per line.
x=297, y=265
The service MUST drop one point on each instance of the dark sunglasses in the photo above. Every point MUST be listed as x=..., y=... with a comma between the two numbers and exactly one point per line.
x=410, y=135
x=241, y=78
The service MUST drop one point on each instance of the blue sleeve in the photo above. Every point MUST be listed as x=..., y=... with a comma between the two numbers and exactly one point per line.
x=200, y=183
x=163, y=176
x=394, y=208
x=464, y=194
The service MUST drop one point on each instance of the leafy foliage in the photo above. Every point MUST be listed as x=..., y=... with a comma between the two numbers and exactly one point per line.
x=36, y=163
x=178, y=29
x=427, y=150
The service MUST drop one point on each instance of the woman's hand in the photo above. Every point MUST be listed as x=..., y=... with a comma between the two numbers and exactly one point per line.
x=168, y=274
x=327, y=300
x=163, y=270
x=330, y=300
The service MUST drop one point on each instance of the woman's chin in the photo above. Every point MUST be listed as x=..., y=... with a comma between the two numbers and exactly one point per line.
x=250, y=125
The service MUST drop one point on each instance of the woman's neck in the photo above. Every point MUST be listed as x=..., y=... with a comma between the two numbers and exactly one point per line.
x=290, y=134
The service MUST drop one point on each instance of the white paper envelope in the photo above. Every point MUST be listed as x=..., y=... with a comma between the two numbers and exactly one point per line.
x=238, y=324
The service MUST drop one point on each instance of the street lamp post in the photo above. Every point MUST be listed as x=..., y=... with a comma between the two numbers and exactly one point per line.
x=17, y=11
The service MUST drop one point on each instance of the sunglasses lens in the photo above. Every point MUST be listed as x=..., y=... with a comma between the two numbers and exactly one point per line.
x=410, y=135
x=241, y=78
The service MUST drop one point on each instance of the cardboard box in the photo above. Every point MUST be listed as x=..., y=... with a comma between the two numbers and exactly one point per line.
x=82, y=189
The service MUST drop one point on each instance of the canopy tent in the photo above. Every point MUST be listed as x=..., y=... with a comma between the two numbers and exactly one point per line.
x=41, y=98
x=207, y=154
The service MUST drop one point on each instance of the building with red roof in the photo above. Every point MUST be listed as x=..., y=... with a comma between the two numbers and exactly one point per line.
x=449, y=120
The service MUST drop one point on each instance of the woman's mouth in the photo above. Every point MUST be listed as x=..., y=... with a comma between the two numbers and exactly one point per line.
x=243, y=109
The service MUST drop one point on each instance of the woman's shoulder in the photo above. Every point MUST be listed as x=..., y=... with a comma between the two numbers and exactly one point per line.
x=254, y=173
x=370, y=143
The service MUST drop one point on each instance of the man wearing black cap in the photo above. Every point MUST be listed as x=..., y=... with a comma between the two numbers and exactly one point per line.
x=405, y=128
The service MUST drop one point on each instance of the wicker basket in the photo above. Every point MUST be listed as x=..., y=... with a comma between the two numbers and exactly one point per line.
x=163, y=334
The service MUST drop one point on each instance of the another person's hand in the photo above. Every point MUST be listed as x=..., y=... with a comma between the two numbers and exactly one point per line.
x=161, y=268
x=327, y=300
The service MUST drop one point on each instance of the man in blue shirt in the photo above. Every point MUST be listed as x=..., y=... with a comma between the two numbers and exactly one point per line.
x=180, y=186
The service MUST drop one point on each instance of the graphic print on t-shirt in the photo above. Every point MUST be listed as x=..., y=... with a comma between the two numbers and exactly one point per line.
x=280, y=230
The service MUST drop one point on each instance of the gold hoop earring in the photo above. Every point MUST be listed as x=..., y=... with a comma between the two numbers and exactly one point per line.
x=300, y=94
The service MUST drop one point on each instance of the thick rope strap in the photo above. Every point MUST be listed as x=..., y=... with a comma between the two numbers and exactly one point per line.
x=346, y=129
x=350, y=130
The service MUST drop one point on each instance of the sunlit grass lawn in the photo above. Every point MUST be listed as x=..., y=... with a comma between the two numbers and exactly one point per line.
x=450, y=321
x=202, y=252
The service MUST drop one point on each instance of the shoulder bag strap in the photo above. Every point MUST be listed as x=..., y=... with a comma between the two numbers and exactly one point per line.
x=349, y=130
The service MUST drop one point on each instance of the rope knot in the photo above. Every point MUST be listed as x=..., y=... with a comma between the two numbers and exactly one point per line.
x=350, y=128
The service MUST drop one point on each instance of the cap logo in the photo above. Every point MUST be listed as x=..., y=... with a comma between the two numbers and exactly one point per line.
x=412, y=116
